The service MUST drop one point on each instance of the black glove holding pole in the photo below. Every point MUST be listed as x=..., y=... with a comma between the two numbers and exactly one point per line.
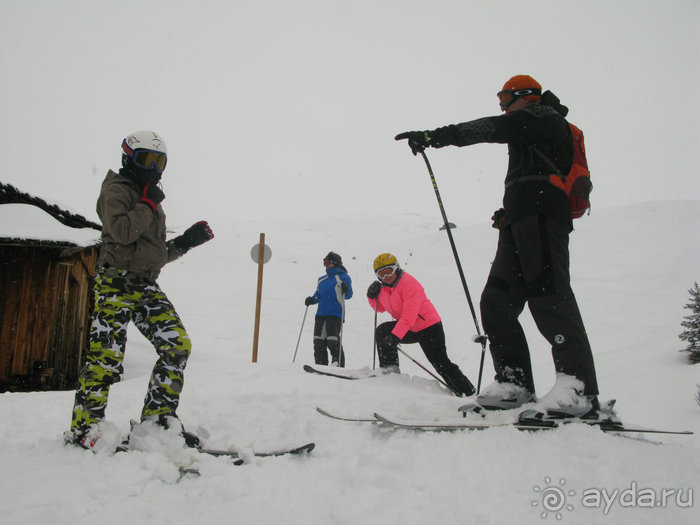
x=498, y=218
x=417, y=140
x=373, y=290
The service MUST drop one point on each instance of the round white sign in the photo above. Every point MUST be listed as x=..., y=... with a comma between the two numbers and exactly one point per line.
x=255, y=253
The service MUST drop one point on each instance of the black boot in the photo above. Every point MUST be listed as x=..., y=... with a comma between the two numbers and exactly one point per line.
x=457, y=381
x=169, y=421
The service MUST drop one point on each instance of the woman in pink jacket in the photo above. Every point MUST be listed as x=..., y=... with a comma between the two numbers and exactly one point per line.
x=417, y=321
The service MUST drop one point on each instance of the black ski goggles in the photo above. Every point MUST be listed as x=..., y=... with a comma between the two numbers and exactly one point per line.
x=508, y=96
x=146, y=158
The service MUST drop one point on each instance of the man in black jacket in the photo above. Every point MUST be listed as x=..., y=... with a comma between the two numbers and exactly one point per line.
x=532, y=259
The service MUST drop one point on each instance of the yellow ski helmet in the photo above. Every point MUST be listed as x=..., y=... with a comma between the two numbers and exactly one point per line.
x=383, y=260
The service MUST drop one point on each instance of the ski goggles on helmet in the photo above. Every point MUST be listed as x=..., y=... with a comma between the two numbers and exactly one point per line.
x=146, y=158
x=386, y=271
x=508, y=96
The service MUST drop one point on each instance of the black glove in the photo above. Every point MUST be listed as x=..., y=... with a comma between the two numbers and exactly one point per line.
x=373, y=290
x=309, y=301
x=498, y=218
x=390, y=341
x=197, y=234
x=417, y=140
x=344, y=288
x=152, y=195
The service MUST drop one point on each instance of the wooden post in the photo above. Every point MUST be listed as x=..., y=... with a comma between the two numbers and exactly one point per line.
x=261, y=261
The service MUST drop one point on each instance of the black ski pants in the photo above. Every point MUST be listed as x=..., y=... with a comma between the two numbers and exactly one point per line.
x=532, y=266
x=327, y=329
x=432, y=342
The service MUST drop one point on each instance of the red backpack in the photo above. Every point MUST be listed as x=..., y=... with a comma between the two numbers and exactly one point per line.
x=577, y=183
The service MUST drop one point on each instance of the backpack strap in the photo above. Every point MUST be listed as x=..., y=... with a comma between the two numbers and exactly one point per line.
x=549, y=163
x=529, y=178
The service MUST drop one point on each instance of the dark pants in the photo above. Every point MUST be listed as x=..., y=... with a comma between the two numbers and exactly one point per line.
x=532, y=266
x=327, y=337
x=432, y=342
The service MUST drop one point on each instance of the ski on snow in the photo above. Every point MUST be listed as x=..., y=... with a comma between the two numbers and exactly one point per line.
x=436, y=426
x=605, y=426
x=332, y=416
x=337, y=372
x=236, y=457
x=239, y=460
x=362, y=373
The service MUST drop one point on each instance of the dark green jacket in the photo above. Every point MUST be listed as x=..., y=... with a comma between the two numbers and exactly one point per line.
x=133, y=237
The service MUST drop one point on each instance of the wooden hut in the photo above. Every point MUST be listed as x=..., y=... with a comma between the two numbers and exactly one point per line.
x=45, y=307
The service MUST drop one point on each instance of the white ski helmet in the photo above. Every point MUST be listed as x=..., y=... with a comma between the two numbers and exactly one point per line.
x=146, y=150
x=144, y=139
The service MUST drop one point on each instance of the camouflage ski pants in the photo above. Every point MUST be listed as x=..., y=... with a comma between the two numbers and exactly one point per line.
x=120, y=297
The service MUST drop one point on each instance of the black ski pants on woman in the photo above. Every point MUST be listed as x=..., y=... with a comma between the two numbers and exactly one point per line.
x=532, y=266
x=432, y=342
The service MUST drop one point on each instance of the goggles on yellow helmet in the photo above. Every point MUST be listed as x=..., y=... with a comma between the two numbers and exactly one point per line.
x=386, y=272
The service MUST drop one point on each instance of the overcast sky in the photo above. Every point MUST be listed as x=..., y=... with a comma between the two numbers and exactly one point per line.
x=290, y=107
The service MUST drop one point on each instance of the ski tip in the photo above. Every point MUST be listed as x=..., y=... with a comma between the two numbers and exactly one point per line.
x=307, y=448
x=304, y=449
x=381, y=419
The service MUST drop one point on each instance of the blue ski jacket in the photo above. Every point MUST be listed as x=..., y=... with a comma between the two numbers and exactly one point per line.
x=328, y=292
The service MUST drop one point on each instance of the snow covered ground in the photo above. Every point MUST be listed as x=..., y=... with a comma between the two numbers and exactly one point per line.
x=279, y=118
x=632, y=267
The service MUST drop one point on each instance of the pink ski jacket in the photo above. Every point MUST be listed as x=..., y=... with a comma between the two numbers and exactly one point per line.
x=407, y=303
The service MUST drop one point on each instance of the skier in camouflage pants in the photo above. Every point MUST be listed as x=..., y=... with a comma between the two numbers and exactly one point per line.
x=121, y=297
x=133, y=252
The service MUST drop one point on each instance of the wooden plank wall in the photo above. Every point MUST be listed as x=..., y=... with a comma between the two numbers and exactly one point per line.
x=68, y=341
x=45, y=301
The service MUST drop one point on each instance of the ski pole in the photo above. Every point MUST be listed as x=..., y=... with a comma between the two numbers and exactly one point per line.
x=479, y=337
x=374, y=334
x=341, y=361
x=481, y=363
x=429, y=372
x=300, y=331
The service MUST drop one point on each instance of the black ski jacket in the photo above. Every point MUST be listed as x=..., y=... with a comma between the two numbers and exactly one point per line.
x=536, y=125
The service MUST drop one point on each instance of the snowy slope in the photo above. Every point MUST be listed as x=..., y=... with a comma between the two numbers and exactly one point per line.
x=632, y=267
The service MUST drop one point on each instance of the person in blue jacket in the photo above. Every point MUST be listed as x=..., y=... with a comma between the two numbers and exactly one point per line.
x=331, y=292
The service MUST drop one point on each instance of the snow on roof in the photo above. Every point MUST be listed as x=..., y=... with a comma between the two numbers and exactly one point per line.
x=23, y=221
